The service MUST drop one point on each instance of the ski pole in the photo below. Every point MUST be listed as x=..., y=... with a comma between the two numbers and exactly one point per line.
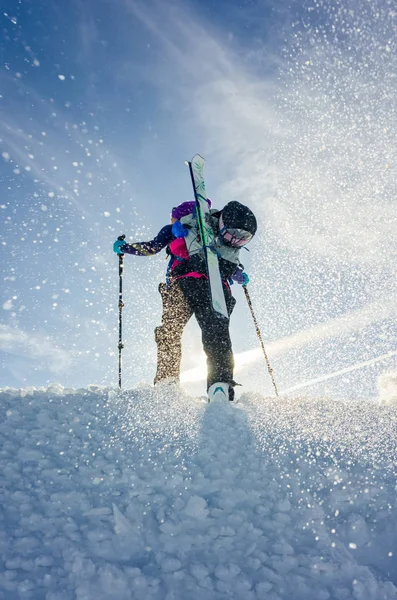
x=270, y=370
x=121, y=304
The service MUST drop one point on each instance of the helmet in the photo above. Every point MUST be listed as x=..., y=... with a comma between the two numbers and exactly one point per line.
x=185, y=208
x=237, y=224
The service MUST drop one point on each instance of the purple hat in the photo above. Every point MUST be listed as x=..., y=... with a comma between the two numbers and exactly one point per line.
x=186, y=208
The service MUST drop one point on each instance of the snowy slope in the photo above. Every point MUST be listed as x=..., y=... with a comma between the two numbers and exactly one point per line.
x=151, y=494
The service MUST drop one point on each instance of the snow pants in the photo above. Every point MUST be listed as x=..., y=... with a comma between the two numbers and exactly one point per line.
x=183, y=298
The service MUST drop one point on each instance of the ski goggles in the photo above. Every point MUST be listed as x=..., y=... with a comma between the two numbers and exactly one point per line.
x=233, y=236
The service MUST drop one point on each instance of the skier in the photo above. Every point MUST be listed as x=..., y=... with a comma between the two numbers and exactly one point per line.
x=187, y=291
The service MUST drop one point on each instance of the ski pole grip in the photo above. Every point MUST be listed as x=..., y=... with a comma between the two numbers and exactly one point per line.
x=121, y=238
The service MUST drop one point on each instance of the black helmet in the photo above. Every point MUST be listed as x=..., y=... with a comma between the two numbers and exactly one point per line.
x=237, y=224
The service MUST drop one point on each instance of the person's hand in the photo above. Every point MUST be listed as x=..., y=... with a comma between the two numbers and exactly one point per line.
x=246, y=279
x=241, y=277
x=117, y=246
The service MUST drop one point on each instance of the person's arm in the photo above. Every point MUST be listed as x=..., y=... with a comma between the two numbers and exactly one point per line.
x=162, y=239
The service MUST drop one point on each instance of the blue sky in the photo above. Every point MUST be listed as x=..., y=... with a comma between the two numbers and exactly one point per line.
x=293, y=107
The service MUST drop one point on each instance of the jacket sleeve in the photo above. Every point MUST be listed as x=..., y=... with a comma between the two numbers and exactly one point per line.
x=162, y=239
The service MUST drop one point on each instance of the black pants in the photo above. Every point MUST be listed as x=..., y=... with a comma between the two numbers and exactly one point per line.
x=184, y=297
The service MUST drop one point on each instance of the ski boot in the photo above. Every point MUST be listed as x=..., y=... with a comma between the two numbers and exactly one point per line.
x=221, y=392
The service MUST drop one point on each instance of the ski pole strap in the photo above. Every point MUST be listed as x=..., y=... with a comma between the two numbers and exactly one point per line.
x=270, y=370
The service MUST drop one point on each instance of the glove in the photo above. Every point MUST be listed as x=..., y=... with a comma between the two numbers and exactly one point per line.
x=178, y=230
x=240, y=277
x=246, y=278
x=117, y=246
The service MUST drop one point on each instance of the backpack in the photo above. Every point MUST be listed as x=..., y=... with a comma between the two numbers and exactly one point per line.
x=187, y=250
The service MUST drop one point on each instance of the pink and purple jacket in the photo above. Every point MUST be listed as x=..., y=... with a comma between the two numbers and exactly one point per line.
x=178, y=254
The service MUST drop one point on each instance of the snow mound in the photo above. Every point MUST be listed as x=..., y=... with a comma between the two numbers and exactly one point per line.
x=387, y=388
x=151, y=494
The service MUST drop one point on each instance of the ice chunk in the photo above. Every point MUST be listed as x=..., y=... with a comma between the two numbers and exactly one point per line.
x=169, y=565
x=196, y=507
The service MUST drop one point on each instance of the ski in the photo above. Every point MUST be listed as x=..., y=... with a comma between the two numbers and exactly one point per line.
x=196, y=168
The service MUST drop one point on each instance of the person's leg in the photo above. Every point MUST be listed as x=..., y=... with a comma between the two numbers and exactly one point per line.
x=214, y=328
x=168, y=336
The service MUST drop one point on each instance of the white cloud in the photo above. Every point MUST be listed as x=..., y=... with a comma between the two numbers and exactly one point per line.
x=51, y=154
x=35, y=347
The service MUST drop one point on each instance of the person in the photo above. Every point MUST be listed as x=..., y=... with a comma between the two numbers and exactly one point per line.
x=186, y=291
